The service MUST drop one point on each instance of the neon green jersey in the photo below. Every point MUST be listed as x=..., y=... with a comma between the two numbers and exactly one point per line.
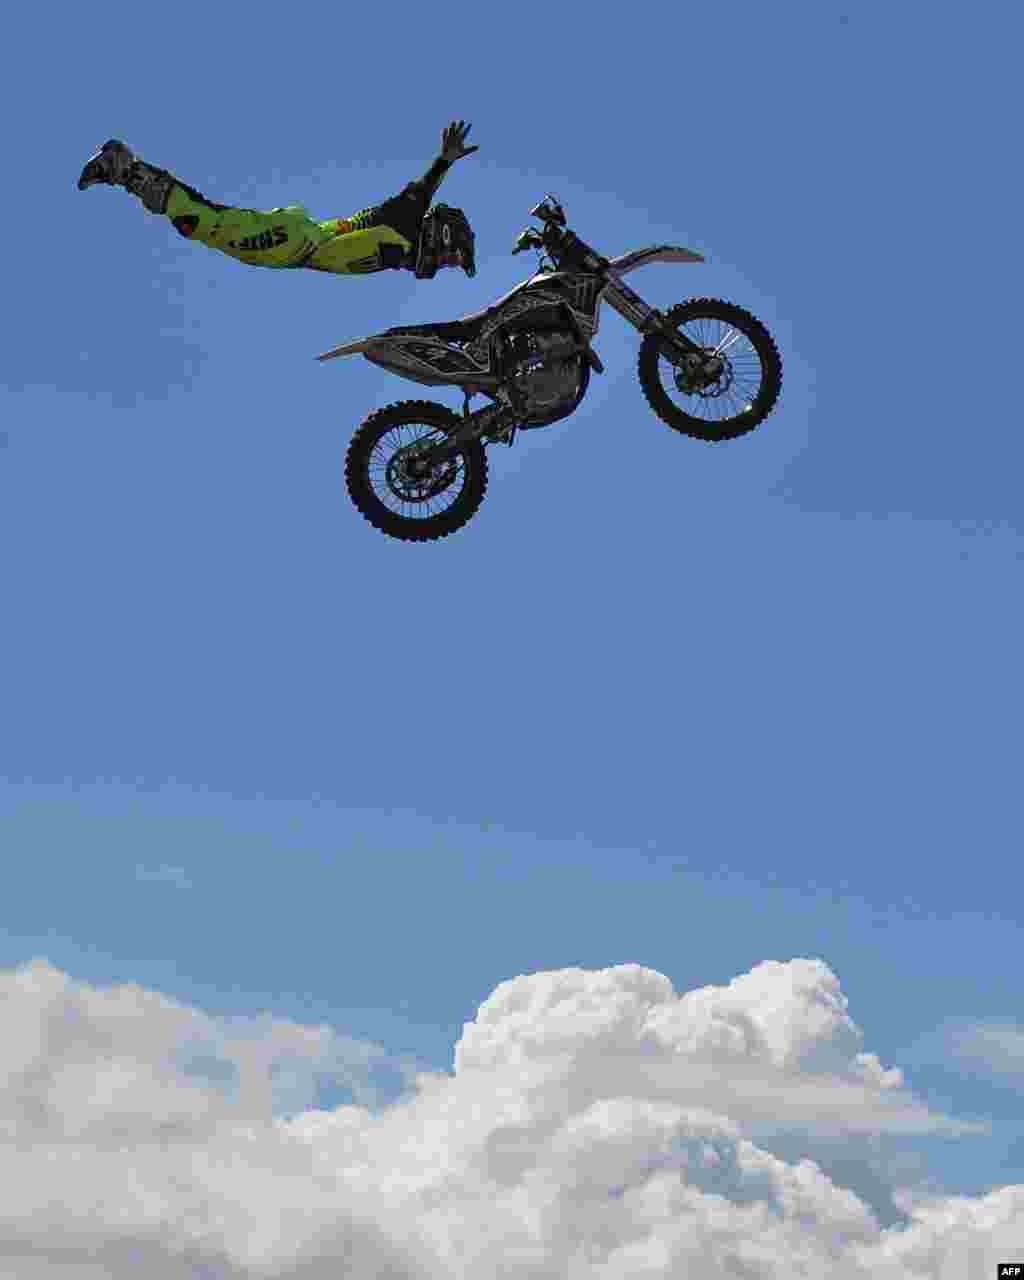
x=288, y=236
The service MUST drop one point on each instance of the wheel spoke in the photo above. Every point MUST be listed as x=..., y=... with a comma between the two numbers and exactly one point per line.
x=727, y=391
x=737, y=386
x=727, y=342
x=411, y=497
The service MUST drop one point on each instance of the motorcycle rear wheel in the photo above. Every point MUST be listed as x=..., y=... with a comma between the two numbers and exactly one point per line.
x=392, y=498
x=744, y=405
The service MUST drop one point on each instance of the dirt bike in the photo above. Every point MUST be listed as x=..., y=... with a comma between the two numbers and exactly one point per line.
x=417, y=470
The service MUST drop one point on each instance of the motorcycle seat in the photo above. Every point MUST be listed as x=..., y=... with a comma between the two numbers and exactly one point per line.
x=464, y=329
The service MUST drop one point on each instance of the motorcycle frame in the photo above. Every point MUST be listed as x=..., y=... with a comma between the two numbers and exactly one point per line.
x=502, y=413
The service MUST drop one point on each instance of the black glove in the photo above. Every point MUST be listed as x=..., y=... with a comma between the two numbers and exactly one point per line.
x=453, y=142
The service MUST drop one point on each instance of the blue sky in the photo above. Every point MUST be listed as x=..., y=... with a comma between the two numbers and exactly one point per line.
x=689, y=707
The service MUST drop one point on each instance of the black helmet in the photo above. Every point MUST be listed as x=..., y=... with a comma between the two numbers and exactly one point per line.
x=446, y=240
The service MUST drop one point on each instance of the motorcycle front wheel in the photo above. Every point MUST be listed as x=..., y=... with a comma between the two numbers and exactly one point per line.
x=403, y=497
x=727, y=392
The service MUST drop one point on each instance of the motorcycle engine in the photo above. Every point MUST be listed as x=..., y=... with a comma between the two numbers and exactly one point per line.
x=546, y=369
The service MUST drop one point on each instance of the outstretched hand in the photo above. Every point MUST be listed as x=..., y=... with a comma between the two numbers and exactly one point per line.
x=453, y=141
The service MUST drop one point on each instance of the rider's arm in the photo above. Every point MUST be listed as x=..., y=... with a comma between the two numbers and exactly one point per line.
x=405, y=212
x=453, y=147
x=425, y=188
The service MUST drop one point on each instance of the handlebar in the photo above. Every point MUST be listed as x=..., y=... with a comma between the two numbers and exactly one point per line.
x=551, y=213
x=562, y=245
x=528, y=239
x=549, y=210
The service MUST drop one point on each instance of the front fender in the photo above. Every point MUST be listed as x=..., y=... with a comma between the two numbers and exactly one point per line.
x=654, y=253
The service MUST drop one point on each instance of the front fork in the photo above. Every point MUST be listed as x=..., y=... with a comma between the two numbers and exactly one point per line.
x=672, y=344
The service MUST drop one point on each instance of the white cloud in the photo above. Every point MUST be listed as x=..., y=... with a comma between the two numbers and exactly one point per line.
x=775, y=1049
x=995, y=1047
x=597, y=1126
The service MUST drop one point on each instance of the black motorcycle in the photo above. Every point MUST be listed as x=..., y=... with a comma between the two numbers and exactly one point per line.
x=417, y=470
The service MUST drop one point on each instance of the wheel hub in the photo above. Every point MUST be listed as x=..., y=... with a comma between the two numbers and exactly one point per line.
x=708, y=375
x=412, y=478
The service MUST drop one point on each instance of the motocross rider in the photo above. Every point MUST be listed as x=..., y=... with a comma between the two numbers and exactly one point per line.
x=403, y=233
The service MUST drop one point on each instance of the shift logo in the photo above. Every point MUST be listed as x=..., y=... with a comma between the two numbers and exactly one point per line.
x=257, y=244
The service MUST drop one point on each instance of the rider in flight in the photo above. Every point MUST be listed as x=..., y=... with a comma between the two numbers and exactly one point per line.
x=404, y=233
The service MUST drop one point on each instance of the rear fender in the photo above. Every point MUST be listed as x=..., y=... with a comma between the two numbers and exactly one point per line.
x=419, y=358
x=351, y=348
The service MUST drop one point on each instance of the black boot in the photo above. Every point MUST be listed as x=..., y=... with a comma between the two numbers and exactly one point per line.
x=111, y=164
x=117, y=166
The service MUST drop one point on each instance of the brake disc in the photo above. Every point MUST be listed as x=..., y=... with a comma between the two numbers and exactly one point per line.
x=410, y=487
x=708, y=378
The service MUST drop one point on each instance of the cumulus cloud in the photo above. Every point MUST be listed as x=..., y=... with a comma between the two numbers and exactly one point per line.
x=775, y=1049
x=596, y=1126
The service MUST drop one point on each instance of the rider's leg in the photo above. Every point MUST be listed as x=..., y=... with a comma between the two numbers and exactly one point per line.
x=371, y=240
x=261, y=238
x=270, y=238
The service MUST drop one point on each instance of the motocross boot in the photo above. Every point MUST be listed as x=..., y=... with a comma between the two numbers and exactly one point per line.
x=115, y=165
x=111, y=164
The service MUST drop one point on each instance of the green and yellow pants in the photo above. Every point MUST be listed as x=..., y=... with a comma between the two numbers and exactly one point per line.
x=371, y=240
